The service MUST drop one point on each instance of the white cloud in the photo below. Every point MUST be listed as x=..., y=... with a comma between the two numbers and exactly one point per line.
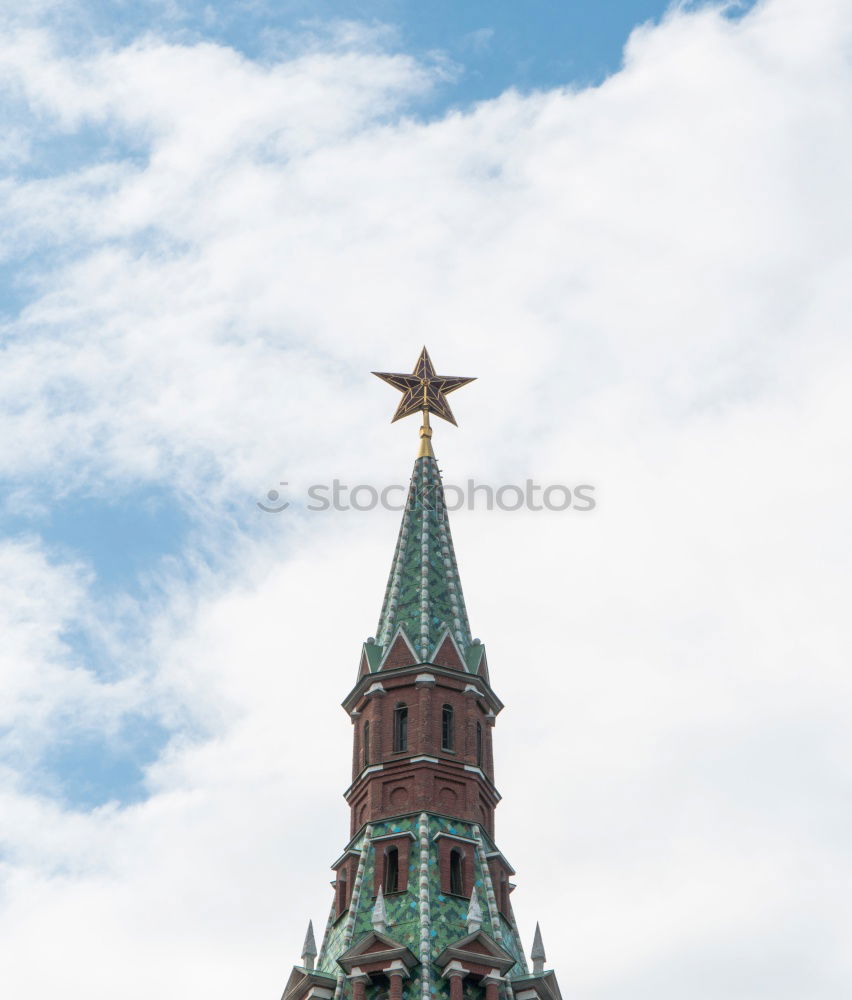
x=649, y=277
x=45, y=683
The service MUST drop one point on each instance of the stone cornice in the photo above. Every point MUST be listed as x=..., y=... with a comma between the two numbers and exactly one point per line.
x=454, y=836
x=349, y=852
x=499, y=854
x=303, y=980
x=495, y=955
x=536, y=986
x=396, y=836
x=471, y=682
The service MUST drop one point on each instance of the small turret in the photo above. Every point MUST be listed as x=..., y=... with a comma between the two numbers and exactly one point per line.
x=537, y=954
x=474, y=913
x=309, y=948
x=380, y=917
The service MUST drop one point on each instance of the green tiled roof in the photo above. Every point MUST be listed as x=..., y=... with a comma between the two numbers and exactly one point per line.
x=424, y=594
x=405, y=924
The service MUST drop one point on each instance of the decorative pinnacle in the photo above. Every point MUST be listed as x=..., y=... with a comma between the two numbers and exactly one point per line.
x=537, y=954
x=474, y=913
x=425, y=392
x=309, y=948
x=380, y=917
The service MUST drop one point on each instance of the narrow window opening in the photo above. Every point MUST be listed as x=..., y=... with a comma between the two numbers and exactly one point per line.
x=366, y=738
x=456, y=872
x=392, y=870
x=400, y=728
x=447, y=736
x=479, y=744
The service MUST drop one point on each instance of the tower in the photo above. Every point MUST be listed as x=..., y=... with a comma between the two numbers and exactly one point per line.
x=422, y=905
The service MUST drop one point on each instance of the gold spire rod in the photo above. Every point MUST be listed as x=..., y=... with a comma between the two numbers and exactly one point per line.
x=425, y=437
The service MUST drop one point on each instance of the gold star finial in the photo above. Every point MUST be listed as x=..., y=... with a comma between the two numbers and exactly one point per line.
x=424, y=392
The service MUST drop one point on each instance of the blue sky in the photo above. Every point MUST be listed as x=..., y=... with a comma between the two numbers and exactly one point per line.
x=129, y=534
x=492, y=44
x=218, y=219
x=124, y=531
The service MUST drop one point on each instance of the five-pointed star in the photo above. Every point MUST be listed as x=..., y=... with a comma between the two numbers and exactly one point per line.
x=423, y=389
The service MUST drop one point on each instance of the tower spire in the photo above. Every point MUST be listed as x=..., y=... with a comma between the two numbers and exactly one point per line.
x=423, y=796
x=423, y=595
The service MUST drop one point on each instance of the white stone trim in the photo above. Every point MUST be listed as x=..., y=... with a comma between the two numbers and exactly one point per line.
x=425, y=910
x=493, y=913
x=519, y=944
x=400, y=631
x=354, y=900
x=424, y=571
x=454, y=836
x=327, y=932
x=447, y=634
x=397, y=967
x=394, y=836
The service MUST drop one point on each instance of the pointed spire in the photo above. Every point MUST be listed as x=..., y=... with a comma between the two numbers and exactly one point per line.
x=424, y=594
x=309, y=948
x=537, y=954
x=380, y=917
x=474, y=913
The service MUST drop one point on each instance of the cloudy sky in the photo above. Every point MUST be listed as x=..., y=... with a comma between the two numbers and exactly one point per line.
x=634, y=225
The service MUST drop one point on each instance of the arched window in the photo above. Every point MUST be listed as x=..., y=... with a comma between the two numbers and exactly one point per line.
x=391, y=881
x=447, y=728
x=366, y=738
x=400, y=727
x=479, y=744
x=456, y=872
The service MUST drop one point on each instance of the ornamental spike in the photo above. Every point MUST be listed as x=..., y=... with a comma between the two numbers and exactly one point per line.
x=474, y=913
x=380, y=917
x=537, y=954
x=309, y=948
